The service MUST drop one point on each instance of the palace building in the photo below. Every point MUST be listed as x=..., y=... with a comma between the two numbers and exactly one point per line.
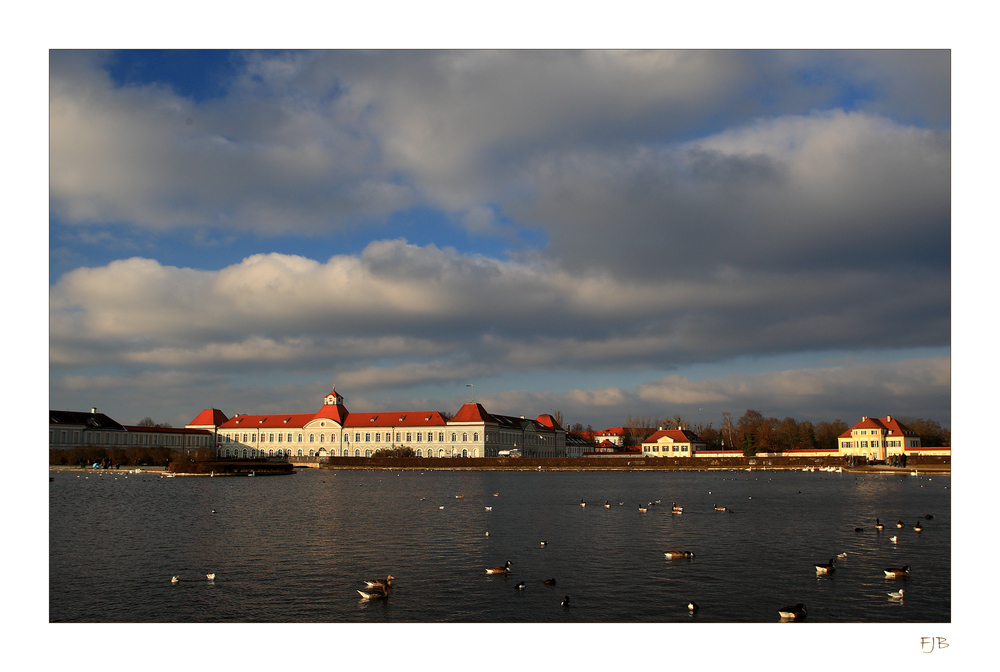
x=333, y=431
x=878, y=439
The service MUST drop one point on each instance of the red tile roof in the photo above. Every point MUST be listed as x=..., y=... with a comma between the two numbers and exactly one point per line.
x=678, y=435
x=472, y=413
x=396, y=419
x=210, y=416
x=894, y=427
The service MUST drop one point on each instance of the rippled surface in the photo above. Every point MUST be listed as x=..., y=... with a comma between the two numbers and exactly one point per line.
x=295, y=548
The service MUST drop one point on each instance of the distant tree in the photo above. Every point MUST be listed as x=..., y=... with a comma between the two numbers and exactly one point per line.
x=558, y=418
x=748, y=429
x=827, y=433
x=398, y=451
x=146, y=422
x=930, y=432
x=726, y=431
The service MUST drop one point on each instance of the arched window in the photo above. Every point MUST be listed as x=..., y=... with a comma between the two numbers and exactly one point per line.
x=453, y=436
x=299, y=454
x=300, y=440
x=321, y=438
x=311, y=437
x=475, y=436
x=465, y=453
x=419, y=452
x=310, y=452
x=357, y=452
x=244, y=452
x=465, y=437
x=368, y=453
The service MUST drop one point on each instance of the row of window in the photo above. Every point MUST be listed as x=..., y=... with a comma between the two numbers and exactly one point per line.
x=346, y=452
x=666, y=449
x=131, y=438
x=249, y=437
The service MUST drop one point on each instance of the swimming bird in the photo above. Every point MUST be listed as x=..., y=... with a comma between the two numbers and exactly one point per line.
x=842, y=555
x=582, y=503
x=793, y=613
x=897, y=572
x=899, y=524
x=878, y=525
x=386, y=582
x=898, y=595
x=489, y=508
x=502, y=569
x=692, y=607
x=675, y=508
x=719, y=508
x=565, y=601
x=210, y=577
x=918, y=526
x=893, y=538
x=520, y=586
x=672, y=555
x=440, y=507
x=545, y=543
x=607, y=505
x=642, y=509
x=928, y=516
x=859, y=529
x=827, y=568
x=496, y=494
x=462, y=496
x=549, y=582
x=175, y=579
x=374, y=593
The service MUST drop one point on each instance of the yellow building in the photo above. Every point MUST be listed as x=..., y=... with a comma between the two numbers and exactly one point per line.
x=672, y=443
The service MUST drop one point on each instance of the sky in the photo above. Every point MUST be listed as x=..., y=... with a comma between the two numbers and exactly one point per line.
x=601, y=234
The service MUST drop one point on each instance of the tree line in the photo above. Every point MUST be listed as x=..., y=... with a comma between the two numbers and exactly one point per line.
x=754, y=433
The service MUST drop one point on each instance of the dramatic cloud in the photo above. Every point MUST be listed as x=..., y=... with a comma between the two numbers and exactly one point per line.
x=573, y=215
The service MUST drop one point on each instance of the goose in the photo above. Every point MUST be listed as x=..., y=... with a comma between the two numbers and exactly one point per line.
x=549, y=582
x=672, y=555
x=565, y=601
x=520, y=586
x=210, y=577
x=793, y=613
x=719, y=508
x=387, y=581
x=583, y=503
x=897, y=572
x=692, y=607
x=502, y=569
x=828, y=568
x=374, y=593
x=918, y=526
x=859, y=529
x=676, y=509
x=898, y=595
x=607, y=505
x=899, y=524
x=175, y=579
x=642, y=509
x=878, y=525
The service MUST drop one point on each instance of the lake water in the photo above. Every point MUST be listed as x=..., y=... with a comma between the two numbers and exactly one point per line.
x=296, y=548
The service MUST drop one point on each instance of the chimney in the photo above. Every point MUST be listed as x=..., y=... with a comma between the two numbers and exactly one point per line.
x=93, y=409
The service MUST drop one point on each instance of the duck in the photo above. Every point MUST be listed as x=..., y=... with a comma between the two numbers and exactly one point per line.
x=387, y=581
x=520, y=586
x=210, y=577
x=893, y=538
x=794, y=612
x=549, y=582
x=545, y=543
x=496, y=494
x=842, y=555
x=928, y=516
x=898, y=595
x=374, y=593
x=462, y=496
x=827, y=568
x=692, y=607
x=878, y=525
x=672, y=555
x=175, y=579
x=502, y=569
x=565, y=601
x=489, y=508
x=918, y=526
x=719, y=508
x=583, y=503
x=897, y=572
x=859, y=529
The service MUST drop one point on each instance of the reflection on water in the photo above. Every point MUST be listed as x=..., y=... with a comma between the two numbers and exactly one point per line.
x=296, y=548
